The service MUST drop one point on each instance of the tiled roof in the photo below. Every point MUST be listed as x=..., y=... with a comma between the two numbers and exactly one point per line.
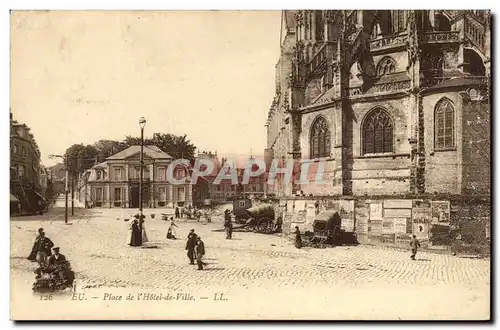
x=149, y=151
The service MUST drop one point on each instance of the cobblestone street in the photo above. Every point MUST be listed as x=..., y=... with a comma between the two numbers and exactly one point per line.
x=262, y=276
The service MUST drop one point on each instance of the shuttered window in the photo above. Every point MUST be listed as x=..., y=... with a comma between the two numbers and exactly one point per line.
x=377, y=132
x=320, y=138
x=444, y=136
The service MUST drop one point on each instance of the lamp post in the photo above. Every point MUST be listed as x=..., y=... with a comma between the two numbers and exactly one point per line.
x=65, y=186
x=142, y=123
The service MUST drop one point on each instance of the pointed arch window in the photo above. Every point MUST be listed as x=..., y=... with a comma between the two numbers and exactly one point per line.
x=444, y=135
x=386, y=66
x=398, y=21
x=320, y=139
x=377, y=132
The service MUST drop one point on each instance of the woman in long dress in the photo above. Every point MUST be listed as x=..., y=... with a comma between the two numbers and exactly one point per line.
x=136, y=234
x=144, y=235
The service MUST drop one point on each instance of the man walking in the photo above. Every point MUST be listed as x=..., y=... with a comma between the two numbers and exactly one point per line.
x=191, y=245
x=177, y=212
x=414, y=245
x=41, y=248
x=228, y=224
x=200, y=252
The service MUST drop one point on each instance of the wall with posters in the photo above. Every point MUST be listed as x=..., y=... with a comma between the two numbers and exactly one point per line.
x=393, y=221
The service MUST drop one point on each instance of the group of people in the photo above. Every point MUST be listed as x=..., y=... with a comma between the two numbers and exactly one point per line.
x=187, y=212
x=53, y=265
x=195, y=249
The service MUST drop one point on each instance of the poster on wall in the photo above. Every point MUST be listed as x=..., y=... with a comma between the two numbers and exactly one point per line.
x=376, y=211
x=300, y=217
x=400, y=225
x=362, y=227
x=403, y=239
x=398, y=204
x=421, y=219
x=330, y=205
x=375, y=227
x=387, y=226
x=397, y=213
x=421, y=230
x=440, y=211
x=346, y=212
x=300, y=205
x=310, y=212
x=347, y=225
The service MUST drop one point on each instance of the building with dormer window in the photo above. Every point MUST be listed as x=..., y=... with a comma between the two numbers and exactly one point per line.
x=115, y=182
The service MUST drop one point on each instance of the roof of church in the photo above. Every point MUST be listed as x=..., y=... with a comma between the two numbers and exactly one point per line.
x=149, y=151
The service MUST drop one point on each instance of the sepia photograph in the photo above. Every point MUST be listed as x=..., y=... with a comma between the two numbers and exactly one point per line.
x=250, y=165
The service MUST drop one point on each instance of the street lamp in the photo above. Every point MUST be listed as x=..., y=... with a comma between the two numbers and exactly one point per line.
x=65, y=185
x=142, y=123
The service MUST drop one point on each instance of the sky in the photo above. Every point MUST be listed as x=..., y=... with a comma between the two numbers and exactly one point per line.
x=78, y=77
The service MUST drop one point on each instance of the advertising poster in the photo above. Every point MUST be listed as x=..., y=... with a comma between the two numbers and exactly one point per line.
x=331, y=205
x=376, y=211
x=421, y=230
x=388, y=238
x=347, y=225
x=440, y=211
x=397, y=213
x=300, y=217
x=402, y=239
x=310, y=212
x=375, y=227
x=362, y=227
x=289, y=207
x=421, y=220
x=398, y=204
x=346, y=208
x=387, y=226
x=300, y=205
x=361, y=214
x=400, y=225
x=421, y=203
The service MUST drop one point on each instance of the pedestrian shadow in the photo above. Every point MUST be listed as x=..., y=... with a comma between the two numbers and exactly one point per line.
x=235, y=239
x=423, y=259
x=214, y=268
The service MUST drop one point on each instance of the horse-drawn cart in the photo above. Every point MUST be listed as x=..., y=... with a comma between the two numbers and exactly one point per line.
x=326, y=230
x=261, y=219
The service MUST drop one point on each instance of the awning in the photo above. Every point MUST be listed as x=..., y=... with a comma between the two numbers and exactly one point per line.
x=14, y=199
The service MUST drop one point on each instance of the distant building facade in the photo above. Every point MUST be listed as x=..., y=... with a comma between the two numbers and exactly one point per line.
x=115, y=182
x=28, y=179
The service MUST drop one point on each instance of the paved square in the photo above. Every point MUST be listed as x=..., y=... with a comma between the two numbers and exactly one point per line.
x=261, y=276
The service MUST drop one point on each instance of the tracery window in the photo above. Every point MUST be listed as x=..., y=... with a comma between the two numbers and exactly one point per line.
x=398, y=21
x=320, y=138
x=385, y=66
x=377, y=132
x=444, y=135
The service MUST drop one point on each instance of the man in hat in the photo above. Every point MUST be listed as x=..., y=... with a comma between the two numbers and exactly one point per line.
x=41, y=248
x=200, y=252
x=59, y=266
x=56, y=258
x=191, y=245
